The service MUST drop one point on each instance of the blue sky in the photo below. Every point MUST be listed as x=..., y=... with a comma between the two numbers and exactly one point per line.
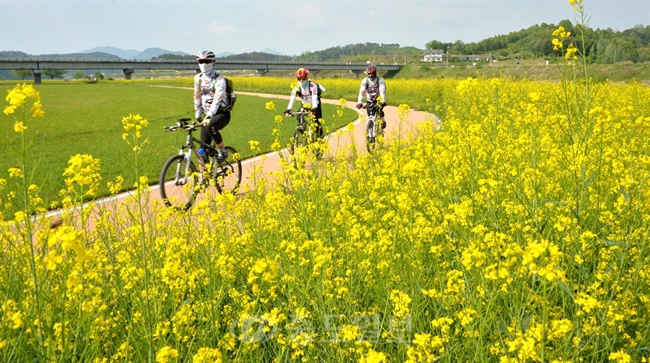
x=290, y=27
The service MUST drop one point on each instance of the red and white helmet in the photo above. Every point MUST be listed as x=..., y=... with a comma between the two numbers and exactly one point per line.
x=371, y=70
x=302, y=73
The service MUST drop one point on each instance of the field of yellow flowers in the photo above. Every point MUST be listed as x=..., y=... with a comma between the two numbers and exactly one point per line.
x=516, y=233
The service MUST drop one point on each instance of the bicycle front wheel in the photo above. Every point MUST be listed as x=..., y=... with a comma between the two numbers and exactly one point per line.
x=178, y=183
x=371, y=135
x=298, y=140
x=299, y=148
x=227, y=174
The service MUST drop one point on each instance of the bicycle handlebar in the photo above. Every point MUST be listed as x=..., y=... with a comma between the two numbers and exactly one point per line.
x=300, y=113
x=182, y=124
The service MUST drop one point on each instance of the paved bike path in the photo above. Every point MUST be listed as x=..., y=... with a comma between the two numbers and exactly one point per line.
x=339, y=140
x=270, y=162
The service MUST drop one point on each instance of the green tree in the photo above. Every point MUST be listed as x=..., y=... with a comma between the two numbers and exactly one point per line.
x=54, y=73
x=457, y=47
x=78, y=75
x=22, y=73
x=436, y=44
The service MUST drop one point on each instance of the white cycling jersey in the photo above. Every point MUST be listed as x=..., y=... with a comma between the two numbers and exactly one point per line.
x=207, y=89
x=371, y=88
x=308, y=94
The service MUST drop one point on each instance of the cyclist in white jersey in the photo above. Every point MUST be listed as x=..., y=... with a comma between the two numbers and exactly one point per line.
x=308, y=92
x=373, y=86
x=211, y=104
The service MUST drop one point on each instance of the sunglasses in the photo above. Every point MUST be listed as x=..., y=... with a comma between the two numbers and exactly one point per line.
x=302, y=79
x=205, y=61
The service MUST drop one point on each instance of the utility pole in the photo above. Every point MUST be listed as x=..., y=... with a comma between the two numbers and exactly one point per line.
x=447, y=54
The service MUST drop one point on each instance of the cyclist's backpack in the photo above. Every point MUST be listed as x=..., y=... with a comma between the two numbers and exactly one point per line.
x=230, y=93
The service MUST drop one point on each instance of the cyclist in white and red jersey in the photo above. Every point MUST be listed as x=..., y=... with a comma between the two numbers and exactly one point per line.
x=309, y=93
x=373, y=86
x=211, y=104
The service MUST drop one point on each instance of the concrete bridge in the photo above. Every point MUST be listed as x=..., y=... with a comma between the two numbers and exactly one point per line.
x=128, y=66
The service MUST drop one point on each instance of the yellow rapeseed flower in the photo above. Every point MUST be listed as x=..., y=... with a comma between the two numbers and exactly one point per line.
x=19, y=127
x=83, y=171
x=571, y=52
x=620, y=357
x=207, y=355
x=19, y=95
x=16, y=320
x=373, y=357
x=15, y=172
x=16, y=97
x=37, y=109
x=52, y=260
x=166, y=354
x=254, y=145
x=20, y=216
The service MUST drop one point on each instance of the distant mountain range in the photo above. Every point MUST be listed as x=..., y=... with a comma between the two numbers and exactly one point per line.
x=124, y=54
x=133, y=54
x=112, y=52
x=154, y=52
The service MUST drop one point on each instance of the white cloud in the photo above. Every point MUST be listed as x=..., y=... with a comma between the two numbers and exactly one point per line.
x=219, y=28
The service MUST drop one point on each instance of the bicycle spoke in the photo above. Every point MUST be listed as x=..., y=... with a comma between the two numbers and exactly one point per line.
x=178, y=183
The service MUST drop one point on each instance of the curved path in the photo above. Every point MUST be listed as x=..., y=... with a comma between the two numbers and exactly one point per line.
x=270, y=162
x=339, y=140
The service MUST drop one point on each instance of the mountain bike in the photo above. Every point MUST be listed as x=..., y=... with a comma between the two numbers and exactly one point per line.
x=181, y=182
x=374, y=129
x=305, y=137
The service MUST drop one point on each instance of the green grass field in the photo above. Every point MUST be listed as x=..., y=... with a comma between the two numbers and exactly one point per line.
x=85, y=118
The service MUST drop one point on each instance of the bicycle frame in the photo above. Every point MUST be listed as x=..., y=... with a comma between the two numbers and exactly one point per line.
x=187, y=150
x=303, y=118
x=305, y=135
x=179, y=172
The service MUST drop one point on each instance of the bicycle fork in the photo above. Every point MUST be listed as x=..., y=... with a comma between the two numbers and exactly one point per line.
x=372, y=129
x=182, y=175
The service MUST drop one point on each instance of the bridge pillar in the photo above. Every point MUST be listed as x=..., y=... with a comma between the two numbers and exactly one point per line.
x=127, y=73
x=314, y=72
x=356, y=73
x=262, y=71
x=37, y=76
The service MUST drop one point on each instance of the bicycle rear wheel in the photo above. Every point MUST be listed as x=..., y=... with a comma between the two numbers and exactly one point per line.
x=177, y=189
x=227, y=174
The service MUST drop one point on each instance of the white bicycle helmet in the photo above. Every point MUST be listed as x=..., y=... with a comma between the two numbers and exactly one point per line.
x=205, y=54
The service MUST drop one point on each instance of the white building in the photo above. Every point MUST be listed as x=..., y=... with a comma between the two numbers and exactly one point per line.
x=434, y=55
